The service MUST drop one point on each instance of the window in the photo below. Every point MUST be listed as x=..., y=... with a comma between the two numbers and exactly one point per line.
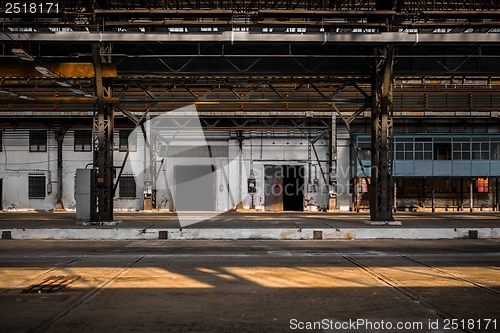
x=404, y=148
x=127, y=187
x=36, y=187
x=461, y=148
x=495, y=149
x=83, y=140
x=38, y=140
x=480, y=149
x=423, y=148
x=188, y=151
x=126, y=142
x=364, y=149
x=482, y=185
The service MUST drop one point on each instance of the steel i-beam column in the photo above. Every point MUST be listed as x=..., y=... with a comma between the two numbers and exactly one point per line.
x=333, y=163
x=102, y=182
x=381, y=185
x=59, y=135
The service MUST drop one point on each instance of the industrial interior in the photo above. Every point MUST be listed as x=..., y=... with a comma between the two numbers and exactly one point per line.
x=300, y=105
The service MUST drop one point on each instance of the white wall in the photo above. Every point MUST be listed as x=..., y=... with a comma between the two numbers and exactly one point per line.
x=344, y=170
x=16, y=163
x=285, y=151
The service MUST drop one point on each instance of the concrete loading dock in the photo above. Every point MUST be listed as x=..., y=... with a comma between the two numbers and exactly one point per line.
x=245, y=226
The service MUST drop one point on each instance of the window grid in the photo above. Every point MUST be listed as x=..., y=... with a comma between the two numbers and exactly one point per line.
x=462, y=148
x=480, y=149
x=495, y=149
x=423, y=149
x=404, y=148
x=38, y=141
x=364, y=149
x=127, y=187
x=36, y=187
x=124, y=143
x=83, y=140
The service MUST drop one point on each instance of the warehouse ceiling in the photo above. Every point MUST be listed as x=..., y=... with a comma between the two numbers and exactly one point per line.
x=246, y=58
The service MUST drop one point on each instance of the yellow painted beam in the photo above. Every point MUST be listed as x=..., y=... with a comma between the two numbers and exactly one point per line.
x=75, y=70
x=57, y=100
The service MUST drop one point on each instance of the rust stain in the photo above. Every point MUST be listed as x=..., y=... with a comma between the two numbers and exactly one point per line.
x=287, y=234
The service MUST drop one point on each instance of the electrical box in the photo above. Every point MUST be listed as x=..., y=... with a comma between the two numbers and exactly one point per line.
x=83, y=195
x=252, y=186
x=148, y=202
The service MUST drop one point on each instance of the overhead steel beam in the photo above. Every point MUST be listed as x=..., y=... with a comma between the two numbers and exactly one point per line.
x=57, y=100
x=62, y=71
x=249, y=37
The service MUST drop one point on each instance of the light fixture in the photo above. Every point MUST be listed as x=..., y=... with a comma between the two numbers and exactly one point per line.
x=28, y=98
x=23, y=55
x=90, y=96
x=10, y=93
x=63, y=83
x=78, y=91
x=44, y=71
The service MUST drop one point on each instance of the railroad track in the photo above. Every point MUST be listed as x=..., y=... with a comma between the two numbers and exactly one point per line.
x=412, y=296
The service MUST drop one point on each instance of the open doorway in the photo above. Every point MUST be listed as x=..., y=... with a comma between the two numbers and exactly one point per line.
x=284, y=187
x=293, y=187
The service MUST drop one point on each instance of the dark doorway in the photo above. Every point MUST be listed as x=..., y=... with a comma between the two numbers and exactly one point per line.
x=273, y=178
x=293, y=187
x=194, y=187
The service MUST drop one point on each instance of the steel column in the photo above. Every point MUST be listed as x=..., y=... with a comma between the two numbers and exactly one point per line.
x=471, y=195
x=381, y=187
x=59, y=136
x=102, y=183
x=333, y=162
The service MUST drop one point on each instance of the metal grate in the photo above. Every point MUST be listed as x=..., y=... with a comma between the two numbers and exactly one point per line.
x=51, y=284
x=36, y=187
x=317, y=234
x=127, y=187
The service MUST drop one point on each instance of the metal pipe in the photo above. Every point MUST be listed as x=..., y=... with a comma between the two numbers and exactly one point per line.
x=461, y=194
x=246, y=37
x=433, y=196
x=394, y=205
x=59, y=136
x=471, y=196
x=497, y=203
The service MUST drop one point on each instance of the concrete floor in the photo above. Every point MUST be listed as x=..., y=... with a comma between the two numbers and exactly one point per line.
x=252, y=286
